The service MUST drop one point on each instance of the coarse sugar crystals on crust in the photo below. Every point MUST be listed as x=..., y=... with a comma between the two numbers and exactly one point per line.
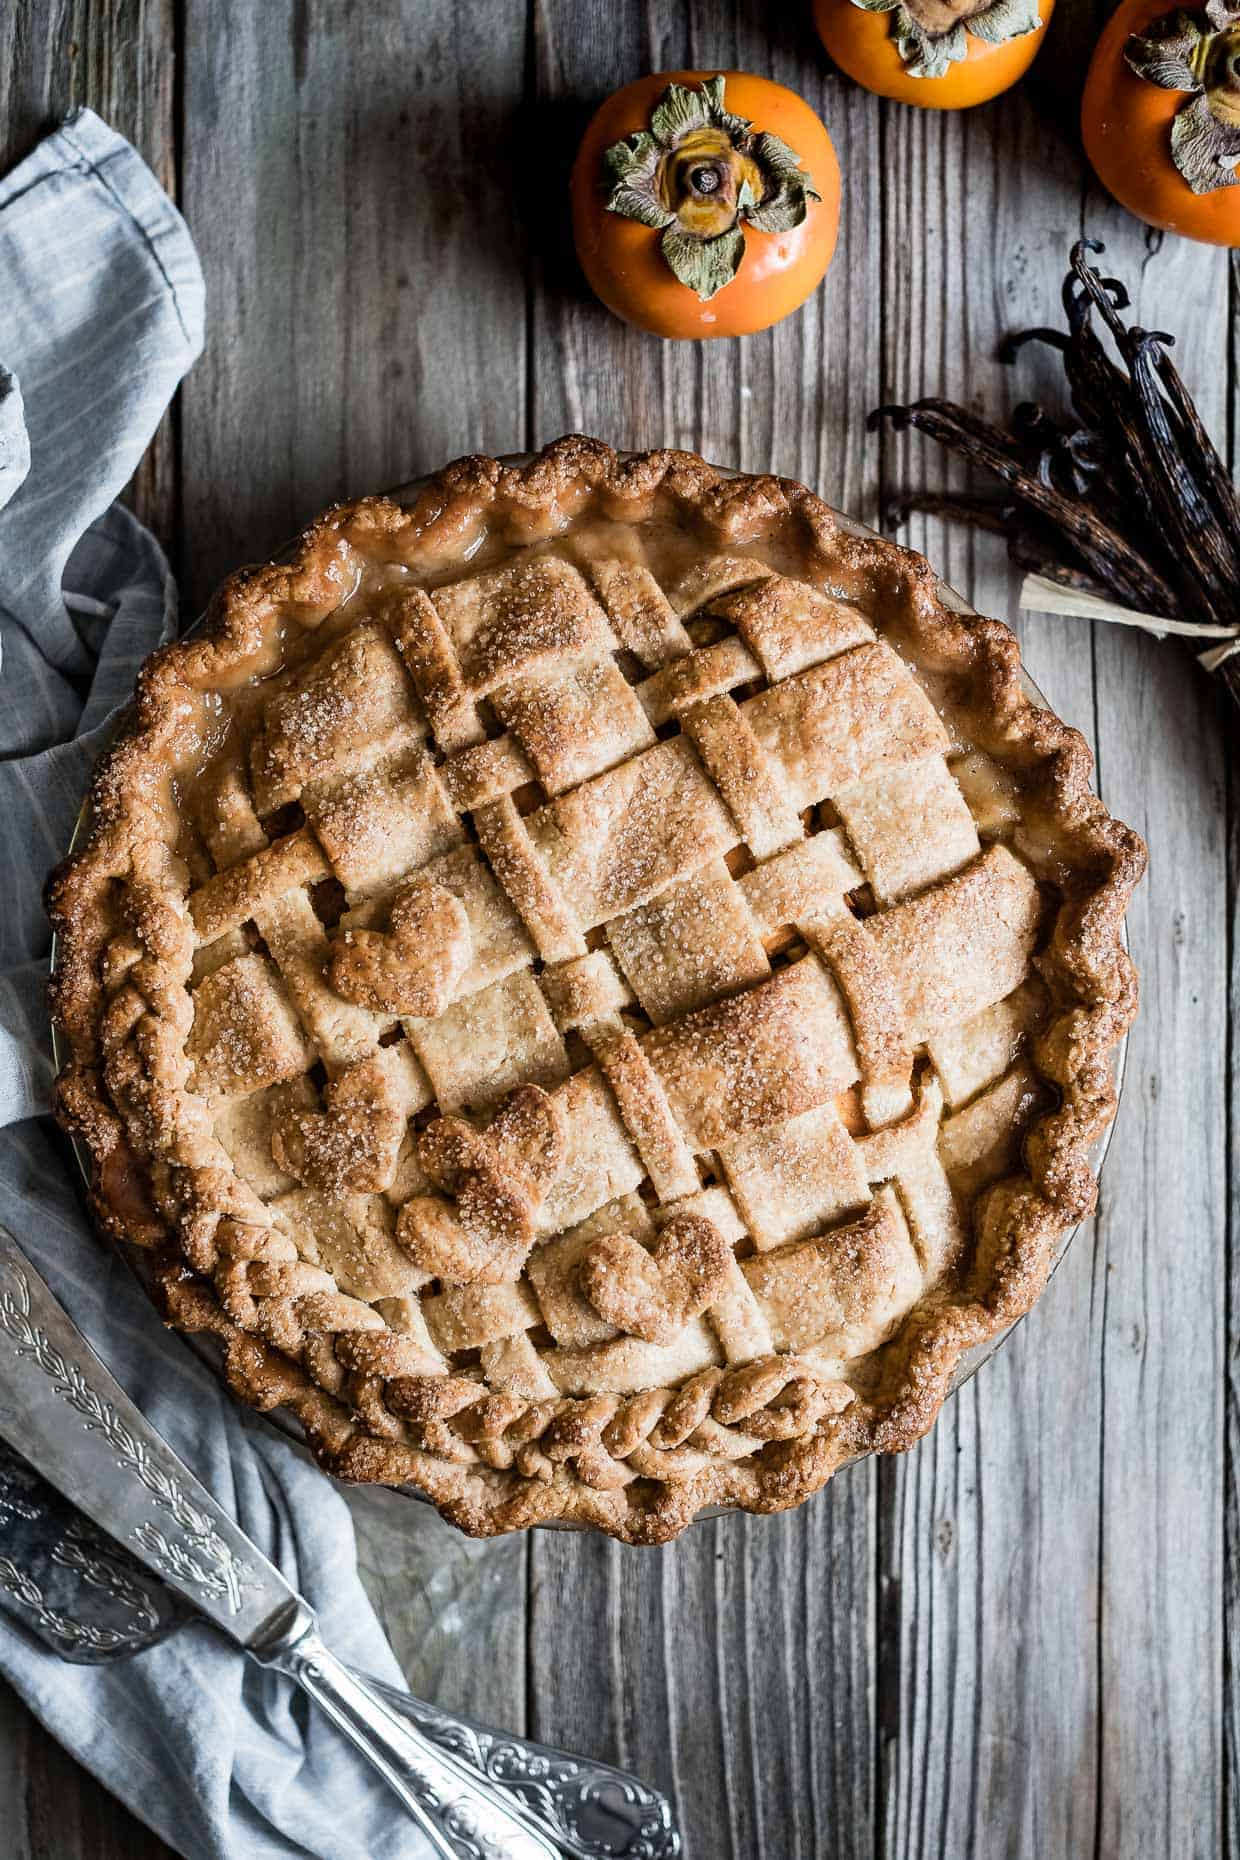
x=596, y=985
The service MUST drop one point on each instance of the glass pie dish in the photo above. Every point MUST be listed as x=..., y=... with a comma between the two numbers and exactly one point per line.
x=1013, y=896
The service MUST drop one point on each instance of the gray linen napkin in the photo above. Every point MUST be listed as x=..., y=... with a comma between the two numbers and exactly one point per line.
x=101, y=313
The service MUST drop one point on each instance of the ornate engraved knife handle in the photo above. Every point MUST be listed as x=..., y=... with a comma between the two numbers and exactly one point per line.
x=594, y=1811
x=461, y=1819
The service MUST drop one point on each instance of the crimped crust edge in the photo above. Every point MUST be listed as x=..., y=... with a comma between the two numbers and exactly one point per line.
x=1018, y=1220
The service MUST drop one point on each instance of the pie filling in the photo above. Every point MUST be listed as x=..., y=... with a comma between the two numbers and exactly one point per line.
x=589, y=985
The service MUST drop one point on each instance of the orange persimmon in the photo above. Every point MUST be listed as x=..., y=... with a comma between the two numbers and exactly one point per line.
x=705, y=204
x=939, y=54
x=1160, y=116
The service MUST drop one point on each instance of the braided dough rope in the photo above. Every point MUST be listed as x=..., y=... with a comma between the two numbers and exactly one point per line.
x=762, y=1436
x=699, y=1438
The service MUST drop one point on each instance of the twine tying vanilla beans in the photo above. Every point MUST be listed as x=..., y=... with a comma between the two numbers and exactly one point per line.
x=1039, y=594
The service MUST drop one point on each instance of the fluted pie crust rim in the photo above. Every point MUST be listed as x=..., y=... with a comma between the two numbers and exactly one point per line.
x=497, y=1461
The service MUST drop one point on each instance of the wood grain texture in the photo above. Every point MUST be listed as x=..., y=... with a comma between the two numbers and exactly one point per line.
x=55, y=1810
x=732, y=1669
x=990, y=1528
x=1038, y=1545
x=345, y=178
x=1231, y=1045
x=1231, y=1469
x=1024, y=1637
x=117, y=59
x=1160, y=1577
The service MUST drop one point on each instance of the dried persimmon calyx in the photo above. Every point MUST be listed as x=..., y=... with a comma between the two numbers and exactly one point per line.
x=700, y=175
x=931, y=35
x=1199, y=53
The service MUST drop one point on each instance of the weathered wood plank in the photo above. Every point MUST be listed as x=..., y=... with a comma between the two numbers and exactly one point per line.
x=991, y=1728
x=55, y=1810
x=1040, y=1623
x=1231, y=1465
x=736, y=1668
x=1231, y=1493
x=1163, y=1219
x=345, y=180
x=118, y=59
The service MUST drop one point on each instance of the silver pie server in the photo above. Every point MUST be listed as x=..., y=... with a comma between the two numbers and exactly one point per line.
x=81, y=1593
x=476, y=1794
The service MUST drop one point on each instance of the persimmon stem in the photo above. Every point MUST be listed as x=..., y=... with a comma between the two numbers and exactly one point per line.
x=700, y=176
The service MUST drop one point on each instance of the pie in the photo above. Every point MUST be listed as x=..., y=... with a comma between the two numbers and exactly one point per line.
x=596, y=986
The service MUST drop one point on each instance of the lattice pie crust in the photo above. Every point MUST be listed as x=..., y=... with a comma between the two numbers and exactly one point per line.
x=596, y=987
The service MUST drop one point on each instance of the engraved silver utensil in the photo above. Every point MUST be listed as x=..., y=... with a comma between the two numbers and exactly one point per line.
x=90, y=1601
x=68, y=1582
x=70, y=1419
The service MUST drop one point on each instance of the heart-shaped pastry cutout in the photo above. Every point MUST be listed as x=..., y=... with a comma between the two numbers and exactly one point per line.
x=438, y=1240
x=352, y=1144
x=497, y=1177
x=654, y=1294
x=413, y=968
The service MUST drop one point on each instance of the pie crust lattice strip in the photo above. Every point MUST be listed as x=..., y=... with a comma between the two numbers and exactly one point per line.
x=597, y=988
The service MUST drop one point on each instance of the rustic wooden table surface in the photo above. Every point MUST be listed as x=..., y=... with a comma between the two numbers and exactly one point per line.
x=1020, y=1639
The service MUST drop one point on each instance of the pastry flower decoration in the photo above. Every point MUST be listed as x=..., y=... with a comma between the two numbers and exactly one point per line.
x=930, y=34
x=701, y=175
x=1197, y=52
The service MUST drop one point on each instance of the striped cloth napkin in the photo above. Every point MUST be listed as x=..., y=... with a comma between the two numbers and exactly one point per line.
x=101, y=313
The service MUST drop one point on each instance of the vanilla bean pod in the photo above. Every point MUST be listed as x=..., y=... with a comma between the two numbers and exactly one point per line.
x=1216, y=477
x=1101, y=549
x=1131, y=501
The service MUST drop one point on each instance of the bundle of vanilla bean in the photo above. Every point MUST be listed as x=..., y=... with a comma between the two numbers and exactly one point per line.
x=1128, y=514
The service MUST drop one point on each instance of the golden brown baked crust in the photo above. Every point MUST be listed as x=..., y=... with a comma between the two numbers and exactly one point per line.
x=800, y=1037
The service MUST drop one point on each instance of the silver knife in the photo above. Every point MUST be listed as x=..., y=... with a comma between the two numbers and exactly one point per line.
x=83, y=1595
x=70, y=1418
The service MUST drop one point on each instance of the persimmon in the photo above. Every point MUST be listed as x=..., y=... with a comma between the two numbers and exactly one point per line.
x=705, y=204
x=1161, y=116
x=939, y=54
